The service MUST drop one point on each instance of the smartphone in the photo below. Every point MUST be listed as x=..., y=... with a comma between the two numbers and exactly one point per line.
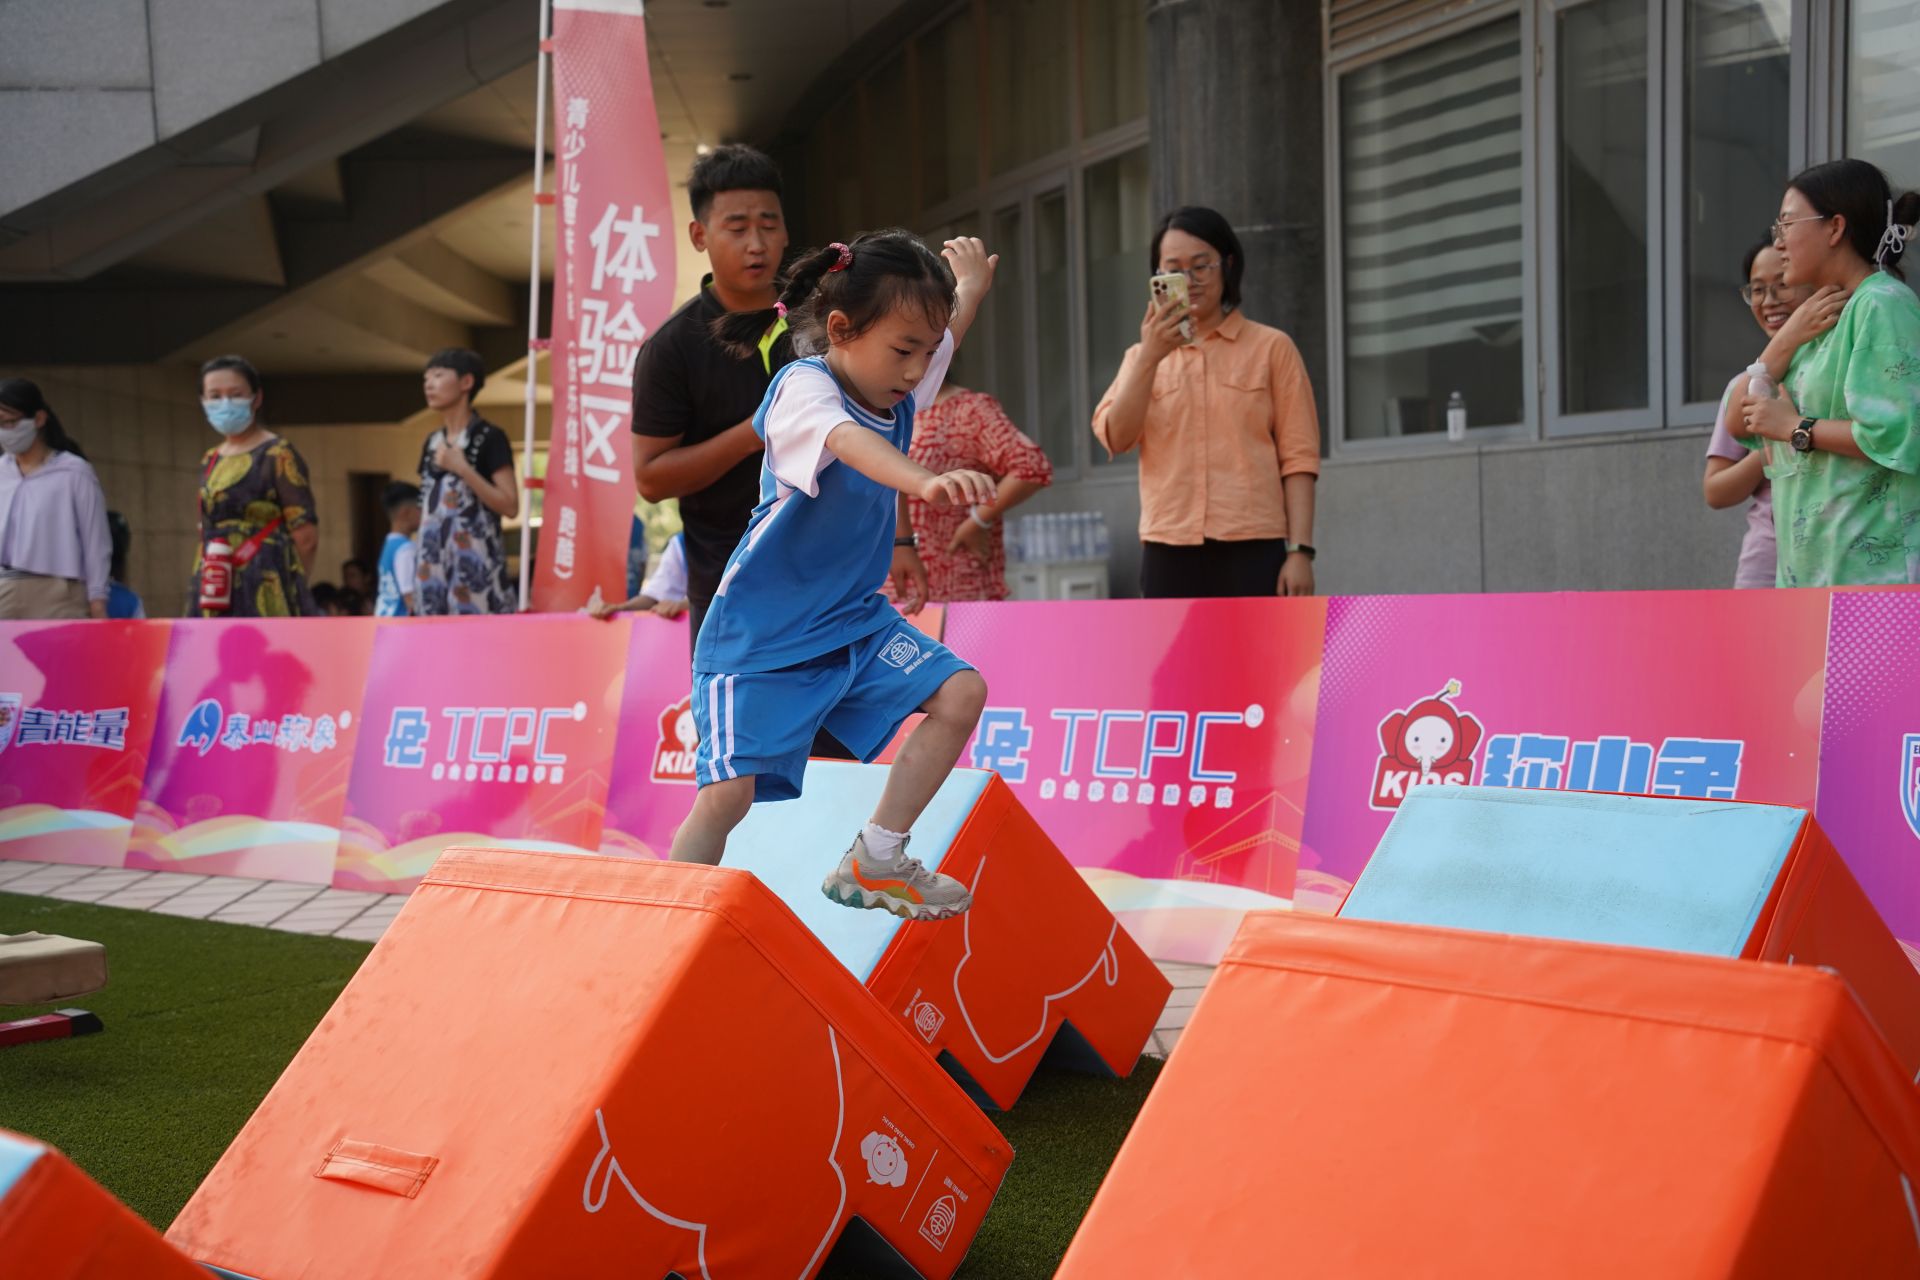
x=1174, y=285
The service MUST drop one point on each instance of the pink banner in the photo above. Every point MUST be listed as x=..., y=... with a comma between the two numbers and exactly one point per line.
x=1870, y=751
x=1711, y=694
x=1164, y=745
x=652, y=785
x=77, y=707
x=613, y=285
x=497, y=733
x=254, y=746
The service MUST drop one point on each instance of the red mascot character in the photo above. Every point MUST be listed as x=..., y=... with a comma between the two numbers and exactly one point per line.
x=1431, y=741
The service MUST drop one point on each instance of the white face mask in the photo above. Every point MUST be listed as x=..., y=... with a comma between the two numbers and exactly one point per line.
x=18, y=437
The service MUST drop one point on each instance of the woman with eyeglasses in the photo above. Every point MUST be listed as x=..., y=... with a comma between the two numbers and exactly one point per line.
x=257, y=529
x=1734, y=474
x=1843, y=435
x=1226, y=425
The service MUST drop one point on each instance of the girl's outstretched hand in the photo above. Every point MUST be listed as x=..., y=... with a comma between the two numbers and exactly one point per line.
x=959, y=489
x=972, y=265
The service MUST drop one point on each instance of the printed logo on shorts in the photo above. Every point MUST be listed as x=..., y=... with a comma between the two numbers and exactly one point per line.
x=901, y=650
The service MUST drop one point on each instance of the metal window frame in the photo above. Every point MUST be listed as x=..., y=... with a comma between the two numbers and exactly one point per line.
x=1429, y=32
x=1681, y=412
x=1555, y=422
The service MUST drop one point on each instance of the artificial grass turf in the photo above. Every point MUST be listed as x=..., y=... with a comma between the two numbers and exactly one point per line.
x=201, y=1018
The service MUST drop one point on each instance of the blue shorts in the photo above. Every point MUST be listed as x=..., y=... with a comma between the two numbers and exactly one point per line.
x=762, y=723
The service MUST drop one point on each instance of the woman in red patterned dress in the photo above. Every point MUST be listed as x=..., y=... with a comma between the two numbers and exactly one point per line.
x=964, y=551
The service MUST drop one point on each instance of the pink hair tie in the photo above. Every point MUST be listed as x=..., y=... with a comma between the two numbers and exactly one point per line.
x=846, y=257
x=780, y=309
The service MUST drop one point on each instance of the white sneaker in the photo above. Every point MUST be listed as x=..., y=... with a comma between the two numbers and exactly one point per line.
x=903, y=886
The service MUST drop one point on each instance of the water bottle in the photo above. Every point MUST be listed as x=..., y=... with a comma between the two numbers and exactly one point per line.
x=216, y=576
x=1456, y=417
x=1102, y=539
x=1759, y=381
x=1077, y=536
x=1054, y=541
x=1013, y=539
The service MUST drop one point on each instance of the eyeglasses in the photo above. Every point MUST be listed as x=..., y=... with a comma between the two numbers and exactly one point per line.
x=1780, y=227
x=1773, y=293
x=1196, y=273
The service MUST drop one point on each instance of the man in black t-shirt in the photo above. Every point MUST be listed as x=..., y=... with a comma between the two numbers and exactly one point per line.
x=693, y=403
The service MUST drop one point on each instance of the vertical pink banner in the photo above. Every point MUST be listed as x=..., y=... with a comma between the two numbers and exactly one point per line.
x=495, y=732
x=652, y=786
x=613, y=285
x=1714, y=694
x=1870, y=751
x=254, y=745
x=77, y=707
x=1164, y=746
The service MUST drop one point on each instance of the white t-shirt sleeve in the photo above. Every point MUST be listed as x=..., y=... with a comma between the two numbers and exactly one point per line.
x=668, y=581
x=929, y=388
x=804, y=412
x=404, y=573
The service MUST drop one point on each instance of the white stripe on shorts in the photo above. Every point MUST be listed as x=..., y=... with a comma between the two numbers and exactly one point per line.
x=727, y=762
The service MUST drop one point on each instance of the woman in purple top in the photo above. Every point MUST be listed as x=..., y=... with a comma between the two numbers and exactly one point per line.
x=1733, y=474
x=54, y=546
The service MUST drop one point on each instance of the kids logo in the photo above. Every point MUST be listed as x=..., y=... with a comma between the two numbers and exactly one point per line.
x=9, y=717
x=1909, y=780
x=1430, y=741
x=679, y=743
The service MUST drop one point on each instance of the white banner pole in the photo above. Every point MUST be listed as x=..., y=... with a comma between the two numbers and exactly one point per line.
x=533, y=307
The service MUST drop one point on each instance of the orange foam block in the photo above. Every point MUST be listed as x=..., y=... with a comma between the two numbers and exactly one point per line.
x=1037, y=956
x=56, y=1223
x=558, y=1065
x=1717, y=877
x=1372, y=1100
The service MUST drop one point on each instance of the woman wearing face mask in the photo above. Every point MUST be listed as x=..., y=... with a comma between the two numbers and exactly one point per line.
x=257, y=530
x=1733, y=474
x=1843, y=435
x=54, y=546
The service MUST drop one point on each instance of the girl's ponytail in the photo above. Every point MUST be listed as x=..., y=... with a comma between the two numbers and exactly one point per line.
x=740, y=332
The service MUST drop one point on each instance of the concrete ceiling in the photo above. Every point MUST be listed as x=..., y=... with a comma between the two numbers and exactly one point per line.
x=722, y=70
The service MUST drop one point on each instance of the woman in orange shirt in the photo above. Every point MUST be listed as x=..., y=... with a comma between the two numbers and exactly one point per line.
x=1227, y=429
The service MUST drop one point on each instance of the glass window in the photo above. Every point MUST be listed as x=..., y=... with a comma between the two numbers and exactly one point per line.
x=1601, y=185
x=1431, y=214
x=1029, y=72
x=1737, y=86
x=1119, y=220
x=1053, y=312
x=1005, y=307
x=949, y=75
x=1883, y=90
x=1113, y=63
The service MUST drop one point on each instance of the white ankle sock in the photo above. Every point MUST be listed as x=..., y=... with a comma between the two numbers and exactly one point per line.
x=882, y=845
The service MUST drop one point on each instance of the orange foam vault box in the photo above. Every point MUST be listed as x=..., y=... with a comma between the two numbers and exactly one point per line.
x=1037, y=956
x=1754, y=881
x=558, y=1065
x=58, y=1224
x=1380, y=1101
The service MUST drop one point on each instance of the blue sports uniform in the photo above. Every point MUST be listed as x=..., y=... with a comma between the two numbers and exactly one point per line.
x=799, y=635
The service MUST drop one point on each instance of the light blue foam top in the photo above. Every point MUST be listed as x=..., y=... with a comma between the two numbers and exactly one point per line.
x=1637, y=871
x=792, y=845
x=16, y=1157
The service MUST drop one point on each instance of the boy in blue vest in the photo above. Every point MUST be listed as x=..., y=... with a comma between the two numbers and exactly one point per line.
x=398, y=557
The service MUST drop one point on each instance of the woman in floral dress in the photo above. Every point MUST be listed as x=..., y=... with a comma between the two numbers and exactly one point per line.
x=256, y=497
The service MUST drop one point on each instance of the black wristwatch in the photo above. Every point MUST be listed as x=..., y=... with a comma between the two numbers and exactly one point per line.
x=911, y=540
x=1803, y=436
x=1302, y=548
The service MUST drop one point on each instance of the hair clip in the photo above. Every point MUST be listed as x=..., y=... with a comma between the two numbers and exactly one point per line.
x=1893, y=241
x=780, y=309
x=846, y=257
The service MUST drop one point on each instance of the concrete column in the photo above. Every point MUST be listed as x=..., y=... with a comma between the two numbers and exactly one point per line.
x=1235, y=120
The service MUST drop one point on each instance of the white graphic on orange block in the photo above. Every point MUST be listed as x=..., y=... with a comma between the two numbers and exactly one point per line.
x=938, y=1227
x=593, y=1200
x=886, y=1162
x=925, y=1016
x=1106, y=965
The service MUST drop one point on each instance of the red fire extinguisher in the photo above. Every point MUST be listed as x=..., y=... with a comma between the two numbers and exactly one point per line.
x=216, y=576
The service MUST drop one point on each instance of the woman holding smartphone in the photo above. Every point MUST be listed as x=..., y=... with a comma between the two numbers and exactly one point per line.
x=1226, y=425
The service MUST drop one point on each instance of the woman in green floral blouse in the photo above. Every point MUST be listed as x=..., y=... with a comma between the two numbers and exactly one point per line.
x=1843, y=435
x=256, y=497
